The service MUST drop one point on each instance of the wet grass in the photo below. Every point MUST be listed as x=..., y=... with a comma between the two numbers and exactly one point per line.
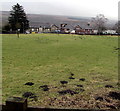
x=48, y=59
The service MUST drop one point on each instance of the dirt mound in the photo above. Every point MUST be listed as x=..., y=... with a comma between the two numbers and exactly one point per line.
x=79, y=85
x=82, y=79
x=114, y=95
x=63, y=82
x=67, y=92
x=29, y=83
x=72, y=74
x=99, y=98
x=29, y=95
x=71, y=78
x=44, y=87
x=109, y=86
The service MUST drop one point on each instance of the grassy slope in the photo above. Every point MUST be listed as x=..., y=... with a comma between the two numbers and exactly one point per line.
x=49, y=58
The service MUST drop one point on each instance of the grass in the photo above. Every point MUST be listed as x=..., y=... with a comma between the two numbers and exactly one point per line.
x=46, y=59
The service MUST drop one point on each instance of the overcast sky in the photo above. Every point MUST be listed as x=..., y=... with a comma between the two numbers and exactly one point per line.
x=85, y=8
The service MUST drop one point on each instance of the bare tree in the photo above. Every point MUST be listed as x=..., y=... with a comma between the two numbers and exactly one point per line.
x=117, y=27
x=99, y=23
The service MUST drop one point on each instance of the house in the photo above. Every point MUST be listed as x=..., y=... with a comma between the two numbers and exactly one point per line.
x=40, y=29
x=54, y=28
x=88, y=31
x=85, y=29
x=34, y=29
x=78, y=30
x=46, y=28
x=68, y=28
x=62, y=27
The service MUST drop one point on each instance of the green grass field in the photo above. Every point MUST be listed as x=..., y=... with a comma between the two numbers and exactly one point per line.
x=47, y=59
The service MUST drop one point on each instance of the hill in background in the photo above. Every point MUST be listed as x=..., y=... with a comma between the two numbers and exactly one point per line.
x=37, y=20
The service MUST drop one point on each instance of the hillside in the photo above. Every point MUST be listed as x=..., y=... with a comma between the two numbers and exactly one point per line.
x=37, y=20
